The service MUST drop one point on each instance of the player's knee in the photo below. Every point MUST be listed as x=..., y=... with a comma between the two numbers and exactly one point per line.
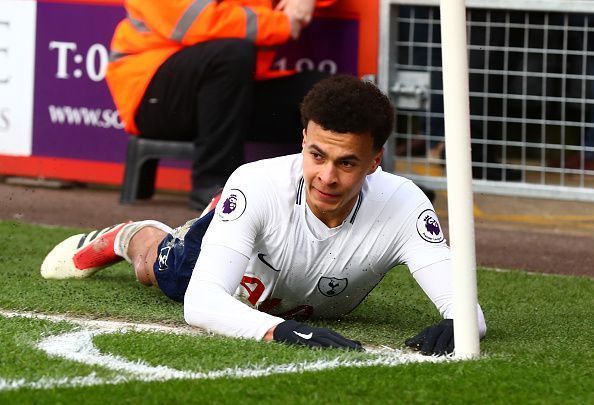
x=143, y=271
x=143, y=253
x=144, y=266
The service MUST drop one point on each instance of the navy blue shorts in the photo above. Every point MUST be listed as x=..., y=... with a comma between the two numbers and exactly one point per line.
x=176, y=258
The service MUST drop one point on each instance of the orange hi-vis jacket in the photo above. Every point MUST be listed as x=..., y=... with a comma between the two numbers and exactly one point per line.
x=153, y=30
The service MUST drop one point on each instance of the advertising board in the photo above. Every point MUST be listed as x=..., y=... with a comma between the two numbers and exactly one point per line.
x=17, y=61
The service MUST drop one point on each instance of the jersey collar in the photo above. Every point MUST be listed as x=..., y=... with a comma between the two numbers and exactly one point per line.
x=299, y=199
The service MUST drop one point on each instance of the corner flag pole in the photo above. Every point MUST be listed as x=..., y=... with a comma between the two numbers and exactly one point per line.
x=459, y=178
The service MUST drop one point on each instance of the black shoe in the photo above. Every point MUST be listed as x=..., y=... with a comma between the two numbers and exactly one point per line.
x=200, y=197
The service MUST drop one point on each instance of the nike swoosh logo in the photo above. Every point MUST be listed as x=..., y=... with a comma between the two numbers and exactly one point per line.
x=301, y=335
x=261, y=257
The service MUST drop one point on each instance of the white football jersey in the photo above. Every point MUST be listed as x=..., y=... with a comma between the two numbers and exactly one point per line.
x=300, y=267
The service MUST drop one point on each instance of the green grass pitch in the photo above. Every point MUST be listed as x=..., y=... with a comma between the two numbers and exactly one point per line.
x=538, y=347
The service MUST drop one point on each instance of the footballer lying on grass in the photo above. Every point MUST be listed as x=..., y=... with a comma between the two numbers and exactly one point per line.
x=295, y=237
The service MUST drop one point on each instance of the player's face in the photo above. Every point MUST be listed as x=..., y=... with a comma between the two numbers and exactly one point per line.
x=334, y=169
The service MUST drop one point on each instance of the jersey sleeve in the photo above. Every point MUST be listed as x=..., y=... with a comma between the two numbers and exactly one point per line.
x=436, y=281
x=419, y=241
x=422, y=247
x=209, y=301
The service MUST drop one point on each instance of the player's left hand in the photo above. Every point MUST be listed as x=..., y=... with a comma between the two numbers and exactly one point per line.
x=435, y=340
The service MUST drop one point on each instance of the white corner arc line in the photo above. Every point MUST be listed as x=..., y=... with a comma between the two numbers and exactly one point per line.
x=78, y=346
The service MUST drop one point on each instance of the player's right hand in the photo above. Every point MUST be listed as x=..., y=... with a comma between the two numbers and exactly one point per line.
x=296, y=333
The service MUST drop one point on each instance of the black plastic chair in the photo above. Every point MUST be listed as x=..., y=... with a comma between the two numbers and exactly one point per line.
x=142, y=159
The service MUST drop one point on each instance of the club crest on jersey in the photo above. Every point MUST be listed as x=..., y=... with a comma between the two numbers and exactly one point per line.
x=331, y=286
x=232, y=205
x=428, y=227
x=163, y=256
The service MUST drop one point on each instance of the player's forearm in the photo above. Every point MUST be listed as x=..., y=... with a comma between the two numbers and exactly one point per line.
x=209, y=301
x=221, y=313
x=436, y=282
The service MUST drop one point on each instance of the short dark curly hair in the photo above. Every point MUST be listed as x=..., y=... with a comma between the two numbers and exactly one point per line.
x=343, y=104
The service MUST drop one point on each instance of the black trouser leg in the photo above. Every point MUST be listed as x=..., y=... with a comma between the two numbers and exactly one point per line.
x=203, y=93
x=224, y=105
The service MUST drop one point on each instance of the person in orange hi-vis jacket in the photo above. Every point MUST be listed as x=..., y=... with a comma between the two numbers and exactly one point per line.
x=200, y=70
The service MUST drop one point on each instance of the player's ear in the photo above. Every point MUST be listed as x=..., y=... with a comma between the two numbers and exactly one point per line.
x=377, y=160
x=304, y=138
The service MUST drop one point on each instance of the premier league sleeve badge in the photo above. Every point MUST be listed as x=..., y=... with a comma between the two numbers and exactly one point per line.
x=232, y=205
x=428, y=227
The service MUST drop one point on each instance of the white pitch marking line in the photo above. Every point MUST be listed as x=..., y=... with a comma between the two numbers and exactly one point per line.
x=104, y=324
x=78, y=346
